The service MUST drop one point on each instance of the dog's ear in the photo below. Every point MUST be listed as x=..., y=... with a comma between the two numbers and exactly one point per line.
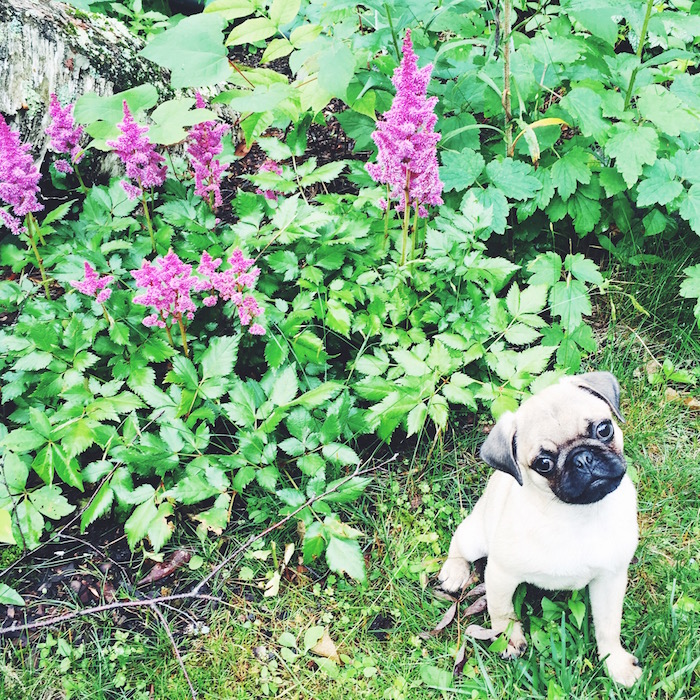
x=498, y=450
x=605, y=387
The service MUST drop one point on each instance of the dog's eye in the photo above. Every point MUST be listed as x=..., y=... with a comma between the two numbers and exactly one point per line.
x=604, y=430
x=543, y=465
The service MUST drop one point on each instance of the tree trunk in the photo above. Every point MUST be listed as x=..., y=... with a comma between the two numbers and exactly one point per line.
x=48, y=46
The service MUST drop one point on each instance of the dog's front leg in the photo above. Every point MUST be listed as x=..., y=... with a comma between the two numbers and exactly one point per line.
x=607, y=595
x=500, y=587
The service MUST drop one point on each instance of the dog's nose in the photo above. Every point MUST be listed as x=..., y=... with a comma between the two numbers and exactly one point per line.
x=582, y=459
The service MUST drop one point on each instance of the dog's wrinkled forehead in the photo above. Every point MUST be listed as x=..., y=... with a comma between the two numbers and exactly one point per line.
x=564, y=411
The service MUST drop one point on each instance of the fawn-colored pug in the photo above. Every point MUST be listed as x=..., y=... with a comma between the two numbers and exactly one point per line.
x=560, y=513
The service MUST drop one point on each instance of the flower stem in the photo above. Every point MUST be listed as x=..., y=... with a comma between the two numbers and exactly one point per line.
x=507, y=6
x=83, y=189
x=640, y=48
x=414, y=233
x=386, y=218
x=183, y=334
x=406, y=216
x=149, y=224
x=32, y=225
x=167, y=330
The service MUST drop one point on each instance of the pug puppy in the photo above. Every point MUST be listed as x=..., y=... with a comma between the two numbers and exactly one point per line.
x=560, y=513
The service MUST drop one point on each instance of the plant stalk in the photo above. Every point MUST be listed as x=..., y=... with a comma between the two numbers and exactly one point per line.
x=406, y=217
x=31, y=225
x=640, y=48
x=507, y=7
x=183, y=335
x=149, y=224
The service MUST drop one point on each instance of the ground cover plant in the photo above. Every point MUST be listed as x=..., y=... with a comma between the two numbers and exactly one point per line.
x=184, y=352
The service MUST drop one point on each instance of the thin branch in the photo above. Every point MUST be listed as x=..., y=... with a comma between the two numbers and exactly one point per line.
x=164, y=622
x=194, y=593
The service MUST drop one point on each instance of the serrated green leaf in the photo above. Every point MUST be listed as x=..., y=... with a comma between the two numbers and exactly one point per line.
x=285, y=388
x=277, y=48
x=416, y=419
x=243, y=477
x=514, y=178
x=311, y=464
x=30, y=523
x=659, y=185
x=460, y=169
x=314, y=542
x=336, y=69
x=231, y=9
x=220, y=356
x=690, y=287
x=583, y=268
x=340, y=454
x=172, y=118
x=570, y=170
x=569, y=300
x=661, y=107
x=585, y=212
x=99, y=505
x=22, y=440
x=50, y=502
x=161, y=529
x=520, y=334
x=139, y=522
x=632, y=147
x=345, y=556
x=690, y=208
x=585, y=106
x=545, y=269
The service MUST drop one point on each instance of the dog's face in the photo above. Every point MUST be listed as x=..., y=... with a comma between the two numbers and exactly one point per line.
x=563, y=439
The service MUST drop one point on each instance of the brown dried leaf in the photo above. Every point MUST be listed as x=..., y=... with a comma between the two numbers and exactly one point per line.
x=478, y=606
x=460, y=659
x=476, y=591
x=168, y=566
x=479, y=632
x=326, y=647
x=447, y=618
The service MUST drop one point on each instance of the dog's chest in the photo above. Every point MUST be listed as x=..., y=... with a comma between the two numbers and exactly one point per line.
x=568, y=548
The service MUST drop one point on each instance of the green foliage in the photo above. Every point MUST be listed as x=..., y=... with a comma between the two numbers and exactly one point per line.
x=108, y=414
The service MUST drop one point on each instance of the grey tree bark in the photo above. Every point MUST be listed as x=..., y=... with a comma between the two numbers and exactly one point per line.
x=48, y=46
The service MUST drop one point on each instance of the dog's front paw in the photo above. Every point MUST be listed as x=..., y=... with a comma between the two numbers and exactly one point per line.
x=623, y=668
x=454, y=575
x=517, y=644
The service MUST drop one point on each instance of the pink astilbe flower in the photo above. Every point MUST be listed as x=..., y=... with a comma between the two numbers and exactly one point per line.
x=143, y=164
x=65, y=135
x=269, y=166
x=167, y=283
x=203, y=144
x=405, y=138
x=94, y=285
x=19, y=179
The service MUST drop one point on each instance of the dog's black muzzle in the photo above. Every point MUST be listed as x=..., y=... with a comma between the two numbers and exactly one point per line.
x=590, y=473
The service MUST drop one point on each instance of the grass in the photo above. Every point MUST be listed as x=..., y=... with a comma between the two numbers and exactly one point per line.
x=258, y=646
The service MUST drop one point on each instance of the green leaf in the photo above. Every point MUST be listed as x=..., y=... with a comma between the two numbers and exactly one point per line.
x=585, y=106
x=597, y=17
x=661, y=107
x=311, y=464
x=231, y=9
x=583, y=268
x=250, y=31
x=6, y=535
x=284, y=11
x=277, y=48
x=546, y=269
x=99, y=505
x=460, y=169
x=690, y=287
x=30, y=523
x=345, y=556
x=351, y=490
x=263, y=98
x=172, y=117
x=632, y=147
x=39, y=422
x=9, y=596
x=336, y=69
x=585, y=211
x=340, y=454
x=569, y=301
x=286, y=386
x=314, y=542
x=140, y=521
x=243, y=477
x=22, y=440
x=66, y=467
x=193, y=50
x=49, y=501
x=659, y=185
x=220, y=356
x=92, y=107
x=338, y=317
x=690, y=208
x=570, y=170
x=514, y=178
x=161, y=529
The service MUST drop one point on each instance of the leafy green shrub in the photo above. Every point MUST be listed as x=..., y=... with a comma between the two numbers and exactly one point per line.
x=365, y=335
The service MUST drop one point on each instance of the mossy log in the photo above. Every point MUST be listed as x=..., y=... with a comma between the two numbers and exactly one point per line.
x=48, y=46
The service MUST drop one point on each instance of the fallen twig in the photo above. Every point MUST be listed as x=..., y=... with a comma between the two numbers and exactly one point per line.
x=195, y=592
x=164, y=622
